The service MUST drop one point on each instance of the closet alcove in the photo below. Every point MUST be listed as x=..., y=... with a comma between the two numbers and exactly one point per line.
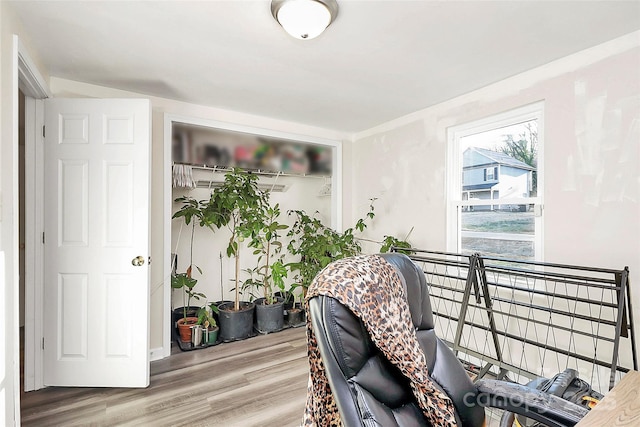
x=298, y=171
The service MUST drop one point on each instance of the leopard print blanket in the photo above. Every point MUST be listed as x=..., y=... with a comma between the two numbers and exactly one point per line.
x=371, y=288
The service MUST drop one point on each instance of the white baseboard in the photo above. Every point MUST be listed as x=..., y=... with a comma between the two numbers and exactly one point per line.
x=158, y=354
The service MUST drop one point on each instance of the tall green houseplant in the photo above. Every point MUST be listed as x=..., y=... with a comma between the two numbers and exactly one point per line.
x=237, y=204
x=317, y=245
x=265, y=234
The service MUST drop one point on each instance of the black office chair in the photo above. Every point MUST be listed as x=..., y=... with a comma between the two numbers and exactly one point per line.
x=370, y=391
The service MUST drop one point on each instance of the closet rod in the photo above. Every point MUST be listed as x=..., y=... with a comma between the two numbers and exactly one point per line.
x=255, y=171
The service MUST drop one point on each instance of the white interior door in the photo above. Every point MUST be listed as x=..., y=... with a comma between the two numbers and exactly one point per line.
x=96, y=301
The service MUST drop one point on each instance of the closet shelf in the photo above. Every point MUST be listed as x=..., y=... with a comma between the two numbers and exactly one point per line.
x=260, y=172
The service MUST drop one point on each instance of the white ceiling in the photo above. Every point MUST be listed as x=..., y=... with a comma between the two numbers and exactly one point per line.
x=378, y=61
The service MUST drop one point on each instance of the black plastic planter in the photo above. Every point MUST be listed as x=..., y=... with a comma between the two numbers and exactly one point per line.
x=235, y=325
x=218, y=304
x=269, y=317
x=296, y=316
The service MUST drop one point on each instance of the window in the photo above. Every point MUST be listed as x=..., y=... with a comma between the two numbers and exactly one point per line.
x=494, y=185
x=490, y=174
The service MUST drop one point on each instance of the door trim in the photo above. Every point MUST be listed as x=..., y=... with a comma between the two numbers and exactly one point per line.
x=35, y=88
x=30, y=80
x=34, y=256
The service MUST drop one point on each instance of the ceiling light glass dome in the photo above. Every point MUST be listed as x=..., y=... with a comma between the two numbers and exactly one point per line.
x=304, y=19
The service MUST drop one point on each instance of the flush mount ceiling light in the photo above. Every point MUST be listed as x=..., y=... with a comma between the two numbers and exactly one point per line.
x=304, y=19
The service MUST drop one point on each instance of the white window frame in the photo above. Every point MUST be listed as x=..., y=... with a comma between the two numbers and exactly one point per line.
x=455, y=203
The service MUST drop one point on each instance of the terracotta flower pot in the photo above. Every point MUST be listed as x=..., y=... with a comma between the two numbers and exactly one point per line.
x=177, y=314
x=184, y=328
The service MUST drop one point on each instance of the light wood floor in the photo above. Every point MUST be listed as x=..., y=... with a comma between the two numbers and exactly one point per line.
x=261, y=381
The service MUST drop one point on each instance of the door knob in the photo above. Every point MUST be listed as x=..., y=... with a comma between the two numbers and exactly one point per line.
x=138, y=261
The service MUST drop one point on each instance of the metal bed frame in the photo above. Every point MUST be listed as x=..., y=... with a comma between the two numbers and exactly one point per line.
x=522, y=320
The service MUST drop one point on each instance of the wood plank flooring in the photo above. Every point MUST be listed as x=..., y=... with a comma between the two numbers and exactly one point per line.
x=261, y=381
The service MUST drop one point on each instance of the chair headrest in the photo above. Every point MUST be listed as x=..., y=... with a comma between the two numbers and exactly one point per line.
x=415, y=285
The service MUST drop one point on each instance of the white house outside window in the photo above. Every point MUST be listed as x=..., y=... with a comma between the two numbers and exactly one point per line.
x=495, y=185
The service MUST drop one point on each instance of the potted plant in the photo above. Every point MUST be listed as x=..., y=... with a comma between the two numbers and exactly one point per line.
x=190, y=212
x=295, y=313
x=185, y=282
x=268, y=274
x=208, y=322
x=317, y=245
x=398, y=245
x=234, y=204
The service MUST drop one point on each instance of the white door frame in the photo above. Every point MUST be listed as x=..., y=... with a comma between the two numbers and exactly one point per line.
x=336, y=194
x=35, y=88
